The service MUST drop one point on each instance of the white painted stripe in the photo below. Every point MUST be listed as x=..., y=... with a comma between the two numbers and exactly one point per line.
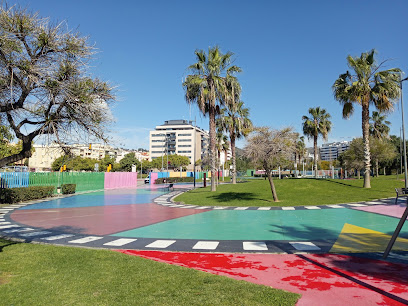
x=335, y=206
x=304, y=246
x=220, y=207
x=264, y=208
x=254, y=246
x=35, y=234
x=9, y=226
x=188, y=206
x=288, y=208
x=119, y=242
x=357, y=205
x=241, y=208
x=206, y=245
x=162, y=244
x=373, y=203
x=203, y=207
x=312, y=207
x=18, y=230
x=4, y=222
x=5, y=210
x=85, y=239
x=57, y=237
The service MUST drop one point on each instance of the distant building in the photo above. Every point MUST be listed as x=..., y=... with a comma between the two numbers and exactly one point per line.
x=331, y=151
x=178, y=137
x=44, y=155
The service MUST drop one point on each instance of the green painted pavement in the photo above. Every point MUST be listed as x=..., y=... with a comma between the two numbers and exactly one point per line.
x=265, y=225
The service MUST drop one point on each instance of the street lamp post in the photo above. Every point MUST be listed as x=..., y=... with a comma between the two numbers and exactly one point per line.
x=405, y=214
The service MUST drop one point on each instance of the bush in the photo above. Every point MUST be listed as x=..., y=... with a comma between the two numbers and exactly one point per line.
x=174, y=180
x=68, y=188
x=14, y=195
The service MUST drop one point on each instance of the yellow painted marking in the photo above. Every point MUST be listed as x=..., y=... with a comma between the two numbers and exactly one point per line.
x=356, y=239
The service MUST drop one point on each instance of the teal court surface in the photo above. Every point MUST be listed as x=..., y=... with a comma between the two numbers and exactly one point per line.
x=147, y=219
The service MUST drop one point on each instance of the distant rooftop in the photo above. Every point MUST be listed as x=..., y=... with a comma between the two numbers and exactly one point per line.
x=178, y=122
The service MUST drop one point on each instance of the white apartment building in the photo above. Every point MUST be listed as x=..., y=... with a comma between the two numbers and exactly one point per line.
x=178, y=137
x=331, y=151
x=44, y=155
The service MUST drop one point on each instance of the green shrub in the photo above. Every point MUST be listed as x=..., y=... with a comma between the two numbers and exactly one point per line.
x=68, y=188
x=14, y=195
x=175, y=180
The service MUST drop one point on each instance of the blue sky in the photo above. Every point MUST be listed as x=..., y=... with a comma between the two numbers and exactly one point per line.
x=290, y=52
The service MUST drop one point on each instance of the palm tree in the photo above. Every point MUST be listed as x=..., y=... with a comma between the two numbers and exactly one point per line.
x=206, y=87
x=222, y=143
x=235, y=120
x=317, y=124
x=368, y=85
x=300, y=149
x=379, y=129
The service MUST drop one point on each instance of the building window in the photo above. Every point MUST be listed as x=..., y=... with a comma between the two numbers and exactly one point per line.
x=184, y=151
x=184, y=134
x=184, y=140
x=158, y=135
x=157, y=152
x=157, y=146
x=184, y=146
x=159, y=140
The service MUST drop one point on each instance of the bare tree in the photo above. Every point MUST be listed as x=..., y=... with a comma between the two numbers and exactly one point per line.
x=44, y=85
x=270, y=148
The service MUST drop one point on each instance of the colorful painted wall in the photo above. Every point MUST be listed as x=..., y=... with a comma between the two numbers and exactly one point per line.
x=120, y=180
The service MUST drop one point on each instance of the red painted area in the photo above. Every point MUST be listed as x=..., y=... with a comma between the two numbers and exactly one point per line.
x=100, y=220
x=321, y=279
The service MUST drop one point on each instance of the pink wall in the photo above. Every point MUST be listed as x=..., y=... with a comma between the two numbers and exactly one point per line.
x=120, y=179
x=153, y=177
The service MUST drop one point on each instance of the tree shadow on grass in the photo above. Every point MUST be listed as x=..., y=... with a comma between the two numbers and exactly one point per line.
x=236, y=196
x=6, y=243
x=337, y=182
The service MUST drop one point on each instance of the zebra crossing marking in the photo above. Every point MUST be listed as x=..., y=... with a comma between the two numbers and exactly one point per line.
x=58, y=237
x=206, y=245
x=254, y=246
x=32, y=234
x=85, y=239
x=120, y=242
x=160, y=244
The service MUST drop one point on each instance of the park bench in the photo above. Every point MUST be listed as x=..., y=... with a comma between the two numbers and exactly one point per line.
x=401, y=192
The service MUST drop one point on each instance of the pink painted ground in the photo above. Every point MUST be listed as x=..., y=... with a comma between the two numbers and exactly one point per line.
x=321, y=279
x=100, y=220
x=387, y=210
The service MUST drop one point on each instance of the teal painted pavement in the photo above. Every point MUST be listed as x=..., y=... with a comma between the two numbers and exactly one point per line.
x=265, y=225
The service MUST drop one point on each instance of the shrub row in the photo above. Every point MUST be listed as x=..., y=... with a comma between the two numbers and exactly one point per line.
x=14, y=195
x=68, y=188
x=174, y=180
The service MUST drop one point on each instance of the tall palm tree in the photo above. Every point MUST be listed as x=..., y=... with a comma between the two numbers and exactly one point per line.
x=368, y=85
x=235, y=120
x=300, y=149
x=206, y=87
x=222, y=144
x=317, y=124
x=379, y=129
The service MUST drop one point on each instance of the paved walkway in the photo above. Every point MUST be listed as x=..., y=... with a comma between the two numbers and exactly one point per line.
x=142, y=222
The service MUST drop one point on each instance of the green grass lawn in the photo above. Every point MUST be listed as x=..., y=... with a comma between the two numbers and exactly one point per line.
x=32, y=274
x=293, y=192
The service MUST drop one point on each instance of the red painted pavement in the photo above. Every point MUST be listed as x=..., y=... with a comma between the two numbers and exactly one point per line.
x=320, y=279
x=100, y=220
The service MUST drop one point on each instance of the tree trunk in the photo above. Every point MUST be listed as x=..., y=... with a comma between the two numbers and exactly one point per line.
x=358, y=174
x=376, y=166
x=212, y=142
x=272, y=185
x=384, y=172
x=366, y=142
x=315, y=154
x=24, y=153
x=234, y=170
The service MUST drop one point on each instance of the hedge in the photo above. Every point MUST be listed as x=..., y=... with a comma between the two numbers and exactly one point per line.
x=174, y=180
x=14, y=195
x=68, y=188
